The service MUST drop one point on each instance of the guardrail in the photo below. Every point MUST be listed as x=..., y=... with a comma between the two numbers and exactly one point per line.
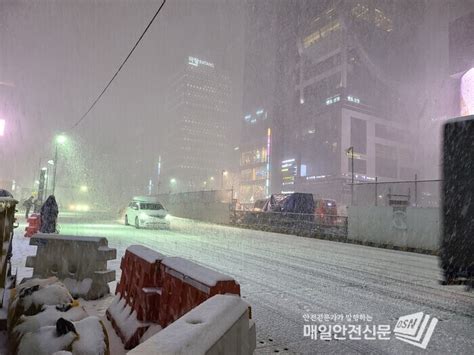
x=292, y=223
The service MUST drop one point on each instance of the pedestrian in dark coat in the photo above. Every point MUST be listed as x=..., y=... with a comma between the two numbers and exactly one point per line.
x=28, y=204
x=49, y=215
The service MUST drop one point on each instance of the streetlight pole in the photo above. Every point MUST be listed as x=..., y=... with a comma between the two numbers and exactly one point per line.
x=223, y=175
x=55, y=168
x=61, y=139
x=351, y=150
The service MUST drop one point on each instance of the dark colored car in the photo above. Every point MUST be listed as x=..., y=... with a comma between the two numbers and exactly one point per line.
x=258, y=205
x=296, y=205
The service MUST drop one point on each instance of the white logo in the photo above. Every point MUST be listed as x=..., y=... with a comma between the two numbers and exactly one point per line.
x=411, y=329
x=196, y=62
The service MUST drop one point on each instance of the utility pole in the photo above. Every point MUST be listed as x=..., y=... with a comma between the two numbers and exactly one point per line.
x=351, y=150
x=55, y=168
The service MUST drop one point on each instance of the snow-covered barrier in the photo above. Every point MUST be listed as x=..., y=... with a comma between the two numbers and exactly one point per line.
x=155, y=290
x=79, y=262
x=187, y=284
x=220, y=325
x=136, y=305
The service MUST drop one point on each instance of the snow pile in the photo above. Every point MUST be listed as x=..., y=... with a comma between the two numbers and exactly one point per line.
x=195, y=271
x=78, y=288
x=42, y=292
x=45, y=341
x=124, y=317
x=48, y=316
x=86, y=337
x=92, y=337
x=198, y=330
x=30, y=297
x=145, y=253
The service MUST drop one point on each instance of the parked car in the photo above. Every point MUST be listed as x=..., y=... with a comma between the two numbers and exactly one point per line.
x=296, y=202
x=258, y=205
x=295, y=206
x=146, y=213
x=325, y=211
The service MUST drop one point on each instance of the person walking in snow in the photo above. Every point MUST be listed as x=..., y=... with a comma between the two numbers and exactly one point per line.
x=37, y=205
x=28, y=204
x=49, y=215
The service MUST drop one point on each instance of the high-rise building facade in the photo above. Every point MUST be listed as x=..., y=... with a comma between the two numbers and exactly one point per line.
x=330, y=88
x=197, y=151
x=257, y=170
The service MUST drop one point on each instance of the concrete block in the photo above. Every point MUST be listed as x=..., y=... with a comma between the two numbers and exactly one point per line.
x=79, y=262
x=220, y=325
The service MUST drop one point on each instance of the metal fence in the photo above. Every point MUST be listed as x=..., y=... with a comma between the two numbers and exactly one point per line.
x=292, y=223
x=417, y=193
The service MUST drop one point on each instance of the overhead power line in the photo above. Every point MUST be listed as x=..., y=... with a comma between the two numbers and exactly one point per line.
x=120, y=67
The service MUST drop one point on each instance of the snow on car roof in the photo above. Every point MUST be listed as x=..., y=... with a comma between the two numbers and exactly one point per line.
x=149, y=199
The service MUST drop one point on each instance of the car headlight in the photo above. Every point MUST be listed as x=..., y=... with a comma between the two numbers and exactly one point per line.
x=168, y=217
x=143, y=215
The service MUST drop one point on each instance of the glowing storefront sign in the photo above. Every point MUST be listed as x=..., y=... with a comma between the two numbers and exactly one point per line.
x=333, y=100
x=467, y=93
x=353, y=99
x=197, y=62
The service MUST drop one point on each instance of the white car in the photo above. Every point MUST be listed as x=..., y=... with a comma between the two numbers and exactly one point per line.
x=146, y=214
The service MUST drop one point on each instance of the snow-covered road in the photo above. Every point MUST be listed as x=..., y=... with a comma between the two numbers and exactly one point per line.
x=284, y=277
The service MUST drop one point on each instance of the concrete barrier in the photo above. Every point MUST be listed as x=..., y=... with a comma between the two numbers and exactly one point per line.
x=136, y=306
x=220, y=325
x=155, y=290
x=79, y=262
x=411, y=228
x=187, y=284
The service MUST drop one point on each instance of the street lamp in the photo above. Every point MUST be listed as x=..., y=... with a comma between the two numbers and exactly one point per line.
x=351, y=151
x=224, y=174
x=60, y=140
x=172, y=183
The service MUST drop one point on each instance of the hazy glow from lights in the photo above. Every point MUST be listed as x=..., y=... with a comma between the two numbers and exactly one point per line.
x=61, y=139
x=467, y=93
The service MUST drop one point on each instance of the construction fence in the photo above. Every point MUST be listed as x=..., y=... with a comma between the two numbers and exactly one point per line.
x=416, y=193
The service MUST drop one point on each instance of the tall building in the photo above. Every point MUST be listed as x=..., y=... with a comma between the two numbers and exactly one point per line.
x=257, y=171
x=345, y=97
x=330, y=87
x=197, y=151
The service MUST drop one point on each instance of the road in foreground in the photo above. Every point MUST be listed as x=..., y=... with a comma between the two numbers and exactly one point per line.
x=285, y=277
